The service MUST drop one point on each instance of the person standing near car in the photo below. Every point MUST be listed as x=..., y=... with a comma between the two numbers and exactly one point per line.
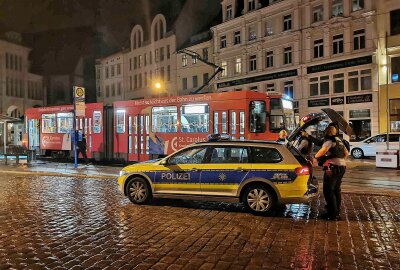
x=305, y=146
x=335, y=153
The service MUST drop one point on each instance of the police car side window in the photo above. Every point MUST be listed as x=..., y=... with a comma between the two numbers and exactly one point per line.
x=265, y=155
x=190, y=156
x=229, y=155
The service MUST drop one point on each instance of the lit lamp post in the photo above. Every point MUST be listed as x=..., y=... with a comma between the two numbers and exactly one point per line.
x=158, y=86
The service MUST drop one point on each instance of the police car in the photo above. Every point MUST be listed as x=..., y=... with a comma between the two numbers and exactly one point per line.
x=259, y=174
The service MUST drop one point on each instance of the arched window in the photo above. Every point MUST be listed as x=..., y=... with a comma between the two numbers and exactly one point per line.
x=136, y=37
x=158, y=27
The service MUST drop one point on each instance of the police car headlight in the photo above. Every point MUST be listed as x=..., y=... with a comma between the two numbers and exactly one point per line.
x=122, y=173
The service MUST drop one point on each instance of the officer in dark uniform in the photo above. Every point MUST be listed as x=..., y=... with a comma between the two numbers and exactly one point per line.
x=82, y=148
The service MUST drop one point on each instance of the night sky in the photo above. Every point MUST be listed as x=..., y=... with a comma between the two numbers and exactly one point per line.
x=113, y=18
x=60, y=32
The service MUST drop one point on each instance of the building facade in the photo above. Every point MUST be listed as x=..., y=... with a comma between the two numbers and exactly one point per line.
x=191, y=72
x=150, y=60
x=109, y=78
x=388, y=55
x=19, y=89
x=320, y=53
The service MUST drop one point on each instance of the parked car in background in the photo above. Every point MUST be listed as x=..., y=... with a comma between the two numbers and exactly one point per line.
x=377, y=143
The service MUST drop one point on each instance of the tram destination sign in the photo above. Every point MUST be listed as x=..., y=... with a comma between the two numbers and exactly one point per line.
x=359, y=99
x=340, y=64
x=254, y=79
x=318, y=102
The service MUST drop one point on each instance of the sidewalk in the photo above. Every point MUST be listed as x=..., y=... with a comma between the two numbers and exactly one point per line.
x=59, y=169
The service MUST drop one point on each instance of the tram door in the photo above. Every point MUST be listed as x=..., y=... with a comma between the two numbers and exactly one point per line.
x=33, y=134
x=220, y=119
x=138, y=137
x=237, y=124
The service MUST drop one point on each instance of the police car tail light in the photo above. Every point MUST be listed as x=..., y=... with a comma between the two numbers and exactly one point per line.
x=302, y=171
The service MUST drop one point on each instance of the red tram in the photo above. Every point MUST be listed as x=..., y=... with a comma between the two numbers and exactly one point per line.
x=138, y=130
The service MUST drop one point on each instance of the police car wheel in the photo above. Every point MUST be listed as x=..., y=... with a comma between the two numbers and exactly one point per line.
x=258, y=199
x=357, y=153
x=138, y=191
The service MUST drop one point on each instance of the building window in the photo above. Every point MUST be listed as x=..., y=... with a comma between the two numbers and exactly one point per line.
x=359, y=39
x=135, y=82
x=205, y=78
x=145, y=59
x=238, y=65
x=251, y=5
x=184, y=60
x=394, y=115
x=194, y=59
x=168, y=52
x=205, y=54
x=162, y=54
x=195, y=83
x=270, y=87
x=338, y=83
x=156, y=55
x=252, y=33
x=237, y=38
x=184, y=83
x=359, y=80
x=135, y=63
x=229, y=12
x=395, y=22
x=118, y=69
x=337, y=8
x=140, y=61
x=113, y=90
x=7, y=61
x=107, y=91
x=224, y=67
x=288, y=88
x=162, y=73
x=287, y=55
x=268, y=29
x=253, y=62
x=145, y=79
x=287, y=22
x=168, y=73
x=151, y=57
x=319, y=86
x=337, y=44
x=130, y=83
x=223, y=42
x=358, y=5
x=318, y=13
x=318, y=48
x=130, y=64
x=269, y=59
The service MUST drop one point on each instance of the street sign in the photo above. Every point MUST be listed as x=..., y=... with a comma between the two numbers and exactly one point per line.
x=79, y=111
x=79, y=94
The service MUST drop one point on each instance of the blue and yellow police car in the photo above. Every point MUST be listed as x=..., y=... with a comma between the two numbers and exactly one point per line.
x=259, y=174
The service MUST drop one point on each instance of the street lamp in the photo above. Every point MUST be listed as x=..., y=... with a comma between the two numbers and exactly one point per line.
x=159, y=87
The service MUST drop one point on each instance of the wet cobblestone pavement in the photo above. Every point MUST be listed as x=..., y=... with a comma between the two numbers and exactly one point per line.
x=67, y=223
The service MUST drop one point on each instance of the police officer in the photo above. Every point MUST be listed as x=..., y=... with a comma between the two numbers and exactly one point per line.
x=82, y=148
x=335, y=153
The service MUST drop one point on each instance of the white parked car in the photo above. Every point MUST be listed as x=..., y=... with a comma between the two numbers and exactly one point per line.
x=377, y=143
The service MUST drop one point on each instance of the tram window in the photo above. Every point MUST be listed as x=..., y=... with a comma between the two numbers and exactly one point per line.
x=65, y=122
x=164, y=119
x=276, y=123
x=195, y=118
x=233, y=125
x=48, y=123
x=216, y=123
x=223, y=123
x=120, y=121
x=258, y=116
x=242, y=122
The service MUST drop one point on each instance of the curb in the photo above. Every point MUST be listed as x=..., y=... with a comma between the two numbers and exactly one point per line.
x=79, y=175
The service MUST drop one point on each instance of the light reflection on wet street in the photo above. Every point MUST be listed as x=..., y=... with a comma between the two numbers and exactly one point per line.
x=64, y=223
